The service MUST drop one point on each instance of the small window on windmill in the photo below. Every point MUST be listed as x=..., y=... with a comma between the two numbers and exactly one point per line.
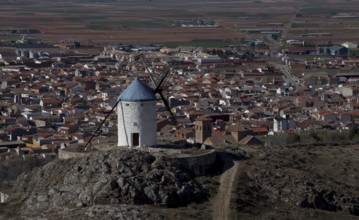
x=141, y=104
x=135, y=124
x=127, y=104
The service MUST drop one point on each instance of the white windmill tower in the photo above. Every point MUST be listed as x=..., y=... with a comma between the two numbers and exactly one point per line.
x=136, y=113
x=136, y=116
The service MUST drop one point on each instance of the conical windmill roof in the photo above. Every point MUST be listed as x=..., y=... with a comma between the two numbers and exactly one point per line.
x=137, y=92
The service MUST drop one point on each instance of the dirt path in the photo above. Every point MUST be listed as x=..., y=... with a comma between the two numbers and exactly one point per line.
x=221, y=202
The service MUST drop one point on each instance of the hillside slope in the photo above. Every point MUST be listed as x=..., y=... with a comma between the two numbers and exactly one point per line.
x=306, y=182
x=100, y=184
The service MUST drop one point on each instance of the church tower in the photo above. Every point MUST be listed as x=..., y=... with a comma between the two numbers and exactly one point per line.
x=136, y=113
x=203, y=129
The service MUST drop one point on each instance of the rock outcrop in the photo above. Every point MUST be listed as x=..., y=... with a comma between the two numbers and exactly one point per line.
x=107, y=178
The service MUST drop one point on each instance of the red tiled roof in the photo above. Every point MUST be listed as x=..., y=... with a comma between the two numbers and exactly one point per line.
x=260, y=130
x=354, y=113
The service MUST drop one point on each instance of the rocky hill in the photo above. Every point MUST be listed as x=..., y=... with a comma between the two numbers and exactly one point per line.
x=301, y=182
x=304, y=182
x=106, y=184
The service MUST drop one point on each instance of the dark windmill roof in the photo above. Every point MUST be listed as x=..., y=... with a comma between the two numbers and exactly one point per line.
x=137, y=92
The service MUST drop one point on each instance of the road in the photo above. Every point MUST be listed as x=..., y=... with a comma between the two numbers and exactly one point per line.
x=274, y=49
x=227, y=183
x=289, y=25
x=275, y=44
x=287, y=75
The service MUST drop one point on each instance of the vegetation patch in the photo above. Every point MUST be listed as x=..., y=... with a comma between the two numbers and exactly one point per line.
x=297, y=31
x=315, y=137
x=97, y=27
x=207, y=43
x=145, y=24
x=304, y=25
x=333, y=10
x=86, y=19
x=10, y=211
x=355, y=52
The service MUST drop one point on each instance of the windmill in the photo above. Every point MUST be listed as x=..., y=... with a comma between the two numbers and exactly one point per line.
x=136, y=108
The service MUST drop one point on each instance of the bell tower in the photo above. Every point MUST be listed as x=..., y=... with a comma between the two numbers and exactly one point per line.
x=203, y=129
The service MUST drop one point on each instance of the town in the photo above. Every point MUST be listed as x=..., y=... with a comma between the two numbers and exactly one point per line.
x=157, y=109
x=53, y=96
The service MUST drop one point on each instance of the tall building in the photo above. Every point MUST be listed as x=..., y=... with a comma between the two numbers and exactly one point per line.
x=203, y=129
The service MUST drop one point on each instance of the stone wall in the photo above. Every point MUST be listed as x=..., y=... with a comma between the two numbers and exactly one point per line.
x=198, y=163
x=66, y=154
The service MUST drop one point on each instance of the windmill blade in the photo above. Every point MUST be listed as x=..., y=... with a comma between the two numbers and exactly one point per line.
x=167, y=106
x=149, y=72
x=158, y=88
x=167, y=81
x=99, y=127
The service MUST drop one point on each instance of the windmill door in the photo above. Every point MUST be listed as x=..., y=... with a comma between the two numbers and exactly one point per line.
x=135, y=139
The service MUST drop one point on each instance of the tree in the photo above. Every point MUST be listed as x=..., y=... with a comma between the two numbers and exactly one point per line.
x=293, y=138
x=271, y=68
x=77, y=44
x=314, y=134
x=353, y=132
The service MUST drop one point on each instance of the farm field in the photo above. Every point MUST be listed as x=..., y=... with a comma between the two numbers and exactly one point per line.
x=105, y=22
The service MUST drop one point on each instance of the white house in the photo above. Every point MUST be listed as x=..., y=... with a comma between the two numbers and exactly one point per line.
x=282, y=124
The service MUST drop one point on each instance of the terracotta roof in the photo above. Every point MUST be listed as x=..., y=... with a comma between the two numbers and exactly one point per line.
x=222, y=140
x=260, y=130
x=354, y=113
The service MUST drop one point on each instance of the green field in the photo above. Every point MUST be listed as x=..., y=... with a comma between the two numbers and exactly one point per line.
x=97, y=27
x=305, y=25
x=327, y=9
x=144, y=24
x=86, y=19
x=206, y=43
x=355, y=53
x=297, y=31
